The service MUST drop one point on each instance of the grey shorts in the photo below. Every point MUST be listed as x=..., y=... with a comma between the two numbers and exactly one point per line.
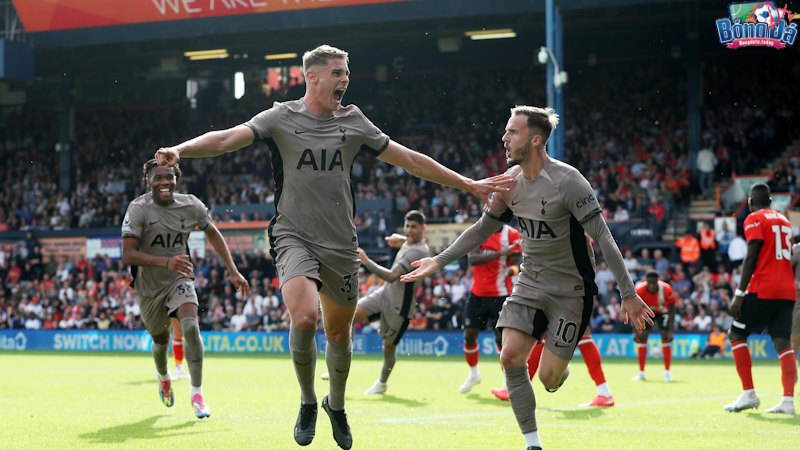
x=561, y=321
x=156, y=311
x=335, y=271
x=378, y=307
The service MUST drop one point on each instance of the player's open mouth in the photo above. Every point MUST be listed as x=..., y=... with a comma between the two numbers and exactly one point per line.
x=165, y=191
x=338, y=94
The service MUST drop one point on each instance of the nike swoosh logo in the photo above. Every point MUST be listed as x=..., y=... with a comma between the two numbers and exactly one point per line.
x=514, y=203
x=155, y=221
x=342, y=371
x=557, y=345
x=351, y=298
x=299, y=131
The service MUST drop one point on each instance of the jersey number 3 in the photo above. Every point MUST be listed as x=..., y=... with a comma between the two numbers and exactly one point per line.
x=783, y=235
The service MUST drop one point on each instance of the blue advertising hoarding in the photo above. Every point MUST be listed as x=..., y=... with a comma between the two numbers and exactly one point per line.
x=422, y=343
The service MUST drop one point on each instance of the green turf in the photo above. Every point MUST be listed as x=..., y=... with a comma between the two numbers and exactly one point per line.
x=84, y=400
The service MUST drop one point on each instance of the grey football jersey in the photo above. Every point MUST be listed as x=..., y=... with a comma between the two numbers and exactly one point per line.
x=398, y=294
x=557, y=255
x=162, y=231
x=311, y=160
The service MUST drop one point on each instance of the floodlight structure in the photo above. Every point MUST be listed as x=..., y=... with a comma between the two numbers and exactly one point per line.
x=550, y=54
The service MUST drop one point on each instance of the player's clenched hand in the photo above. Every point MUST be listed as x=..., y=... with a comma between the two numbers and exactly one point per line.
x=167, y=157
x=422, y=268
x=181, y=264
x=637, y=313
x=240, y=283
x=395, y=240
x=497, y=183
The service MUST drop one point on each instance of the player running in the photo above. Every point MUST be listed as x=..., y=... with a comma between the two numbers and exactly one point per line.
x=660, y=297
x=765, y=298
x=554, y=293
x=155, y=233
x=314, y=141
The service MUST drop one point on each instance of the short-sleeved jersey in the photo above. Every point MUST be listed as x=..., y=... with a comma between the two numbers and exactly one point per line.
x=491, y=279
x=557, y=256
x=311, y=160
x=162, y=231
x=660, y=300
x=398, y=294
x=773, y=278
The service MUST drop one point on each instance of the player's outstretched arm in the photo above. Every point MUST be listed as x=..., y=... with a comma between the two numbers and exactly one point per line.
x=425, y=167
x=213, y=143
x=422, y=268
x=381, y=272
x=221, y=247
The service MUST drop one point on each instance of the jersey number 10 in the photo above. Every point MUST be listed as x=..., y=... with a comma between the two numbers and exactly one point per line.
x=782, y=252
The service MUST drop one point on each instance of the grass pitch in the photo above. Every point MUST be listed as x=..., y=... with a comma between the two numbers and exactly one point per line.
x=83, y=400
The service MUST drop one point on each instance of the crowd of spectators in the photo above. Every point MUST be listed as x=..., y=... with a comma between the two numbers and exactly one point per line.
x=634, y=153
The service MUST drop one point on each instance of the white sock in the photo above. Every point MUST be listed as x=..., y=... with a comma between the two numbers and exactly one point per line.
x=602, y=389
x=473, y=371
x=178, y=367
x=532, y=439
x=164, y=377
x=788, y=400
x=749, y=391
x=196, y=390
x=641, y=372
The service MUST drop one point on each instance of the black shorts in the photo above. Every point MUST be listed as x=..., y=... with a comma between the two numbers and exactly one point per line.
x=482, y=311
x=774, y=315
x=660, y=321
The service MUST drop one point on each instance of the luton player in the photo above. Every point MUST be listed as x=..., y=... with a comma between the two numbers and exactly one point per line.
x=660, y=297
x=765, y=298
x=553, y=296
x=155, y=233
x=314, y=141
x=795, y=339
x=491, y=285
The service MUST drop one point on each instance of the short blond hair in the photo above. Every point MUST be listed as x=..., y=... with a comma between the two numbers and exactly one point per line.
x=320, y=56
x=544, y=120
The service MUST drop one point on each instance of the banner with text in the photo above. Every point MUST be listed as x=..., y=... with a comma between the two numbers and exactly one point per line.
x=51, y=15
x=422, y=343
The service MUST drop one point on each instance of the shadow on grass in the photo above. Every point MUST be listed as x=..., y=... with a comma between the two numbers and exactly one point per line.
x=781, y=419
x=483, y=400
x=408, y=402
x=580, y=413
x=143, y=429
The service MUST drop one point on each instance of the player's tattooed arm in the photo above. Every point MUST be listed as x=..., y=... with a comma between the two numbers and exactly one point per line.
x=476, y=258
x=381, y=272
